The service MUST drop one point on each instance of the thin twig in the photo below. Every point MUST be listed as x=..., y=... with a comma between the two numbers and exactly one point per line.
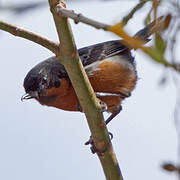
x=133, y=11
x=20, y=32
x=80, y=18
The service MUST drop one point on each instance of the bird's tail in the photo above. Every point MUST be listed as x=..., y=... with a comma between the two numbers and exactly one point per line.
x=156, y=26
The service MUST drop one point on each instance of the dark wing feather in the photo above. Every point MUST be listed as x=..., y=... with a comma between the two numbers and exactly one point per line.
x=101, y=51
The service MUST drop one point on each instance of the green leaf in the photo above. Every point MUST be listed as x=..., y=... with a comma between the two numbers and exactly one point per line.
x=155, y=54
x=160, y=44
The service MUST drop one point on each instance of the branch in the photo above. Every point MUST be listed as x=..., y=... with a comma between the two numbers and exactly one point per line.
x=118, y=29
x=20, y=32
x=70, y=59
x=133, y=11
x=80, y=18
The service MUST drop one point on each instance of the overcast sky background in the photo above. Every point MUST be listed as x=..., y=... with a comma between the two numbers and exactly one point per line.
x=43, y=143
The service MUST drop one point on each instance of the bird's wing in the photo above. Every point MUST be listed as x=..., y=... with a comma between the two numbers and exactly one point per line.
x=101, y=51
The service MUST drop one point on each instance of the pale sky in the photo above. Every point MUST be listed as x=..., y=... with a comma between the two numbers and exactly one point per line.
x=43, y=143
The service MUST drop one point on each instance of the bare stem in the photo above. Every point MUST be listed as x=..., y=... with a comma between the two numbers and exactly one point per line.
x=70, y=59
x=80, y=18
x=20, y=32
x=134, y=10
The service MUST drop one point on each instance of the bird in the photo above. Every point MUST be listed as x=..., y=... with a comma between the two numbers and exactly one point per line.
x=110, y=67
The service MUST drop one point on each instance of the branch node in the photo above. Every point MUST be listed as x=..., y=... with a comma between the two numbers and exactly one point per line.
x=59, y=8
x=77, y=20
x=15, y=31
x=79, y=17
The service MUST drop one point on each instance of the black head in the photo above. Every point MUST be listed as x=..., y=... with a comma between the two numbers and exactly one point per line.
x=42, y=77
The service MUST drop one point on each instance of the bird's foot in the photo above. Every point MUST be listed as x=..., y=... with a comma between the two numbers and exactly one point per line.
x=93, y=147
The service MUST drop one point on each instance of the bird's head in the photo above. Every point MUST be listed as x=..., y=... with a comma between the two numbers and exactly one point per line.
x=43, y=77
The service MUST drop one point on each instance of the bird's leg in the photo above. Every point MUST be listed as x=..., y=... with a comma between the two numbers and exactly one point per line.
x=119, y=108
x=115, y=113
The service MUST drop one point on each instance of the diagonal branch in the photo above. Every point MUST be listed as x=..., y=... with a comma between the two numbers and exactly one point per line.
x=70, y=59
x=20, y=32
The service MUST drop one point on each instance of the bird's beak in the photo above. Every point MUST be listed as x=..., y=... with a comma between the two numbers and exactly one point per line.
x=30, y=95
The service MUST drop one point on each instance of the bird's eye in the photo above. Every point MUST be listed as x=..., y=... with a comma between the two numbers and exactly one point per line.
x=57, y=83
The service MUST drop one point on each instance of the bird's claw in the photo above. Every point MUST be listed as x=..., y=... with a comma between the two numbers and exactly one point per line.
x=93, y=147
